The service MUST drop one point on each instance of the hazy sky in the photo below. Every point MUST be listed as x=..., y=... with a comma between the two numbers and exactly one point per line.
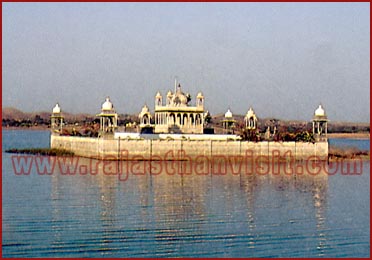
x=280, y=58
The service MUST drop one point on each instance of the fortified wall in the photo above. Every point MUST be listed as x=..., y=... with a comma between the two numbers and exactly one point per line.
x=110, y=148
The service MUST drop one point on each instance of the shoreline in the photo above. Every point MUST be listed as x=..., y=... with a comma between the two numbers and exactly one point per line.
x=346, y=158
x=349, y=135
x=332, y=157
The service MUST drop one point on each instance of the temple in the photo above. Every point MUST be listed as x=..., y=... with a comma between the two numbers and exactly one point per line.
x=174, y=117
x=180, y=128
x=177, y=115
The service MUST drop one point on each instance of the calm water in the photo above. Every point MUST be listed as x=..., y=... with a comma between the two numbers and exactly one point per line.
x=241, y=215
x=361, y=144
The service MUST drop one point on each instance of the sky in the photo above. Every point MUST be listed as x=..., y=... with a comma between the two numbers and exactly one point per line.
x=281, y=59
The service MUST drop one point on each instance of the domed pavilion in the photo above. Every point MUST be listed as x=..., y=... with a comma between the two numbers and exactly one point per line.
x=177, y=115
x=56, y=119
x=108, y=117
x=320, y=123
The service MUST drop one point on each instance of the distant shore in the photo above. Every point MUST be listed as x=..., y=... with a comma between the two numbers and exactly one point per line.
x=364, y=135
x=350, y=135
x=31, y=128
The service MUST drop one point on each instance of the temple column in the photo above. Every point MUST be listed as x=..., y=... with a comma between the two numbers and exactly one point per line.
x=318, y=128
x=313, y=127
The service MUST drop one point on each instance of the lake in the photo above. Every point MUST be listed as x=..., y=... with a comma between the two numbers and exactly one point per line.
x=51, y=212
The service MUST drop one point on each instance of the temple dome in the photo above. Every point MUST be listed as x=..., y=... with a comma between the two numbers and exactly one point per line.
x=57, y=109
x=107, y=105
x=319, y=111
x=200, y=95
x=228, y=114
x=180, y=98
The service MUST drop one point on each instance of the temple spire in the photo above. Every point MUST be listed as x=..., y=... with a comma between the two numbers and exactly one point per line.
x=175, y=84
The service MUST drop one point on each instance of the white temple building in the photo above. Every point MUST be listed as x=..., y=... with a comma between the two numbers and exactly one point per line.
x=177, y=115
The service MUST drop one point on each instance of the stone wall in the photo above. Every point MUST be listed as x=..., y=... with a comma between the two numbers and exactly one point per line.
x=145, y=149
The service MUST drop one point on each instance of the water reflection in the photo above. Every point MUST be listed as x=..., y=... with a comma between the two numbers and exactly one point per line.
x=234, y=213
x=92, y=214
